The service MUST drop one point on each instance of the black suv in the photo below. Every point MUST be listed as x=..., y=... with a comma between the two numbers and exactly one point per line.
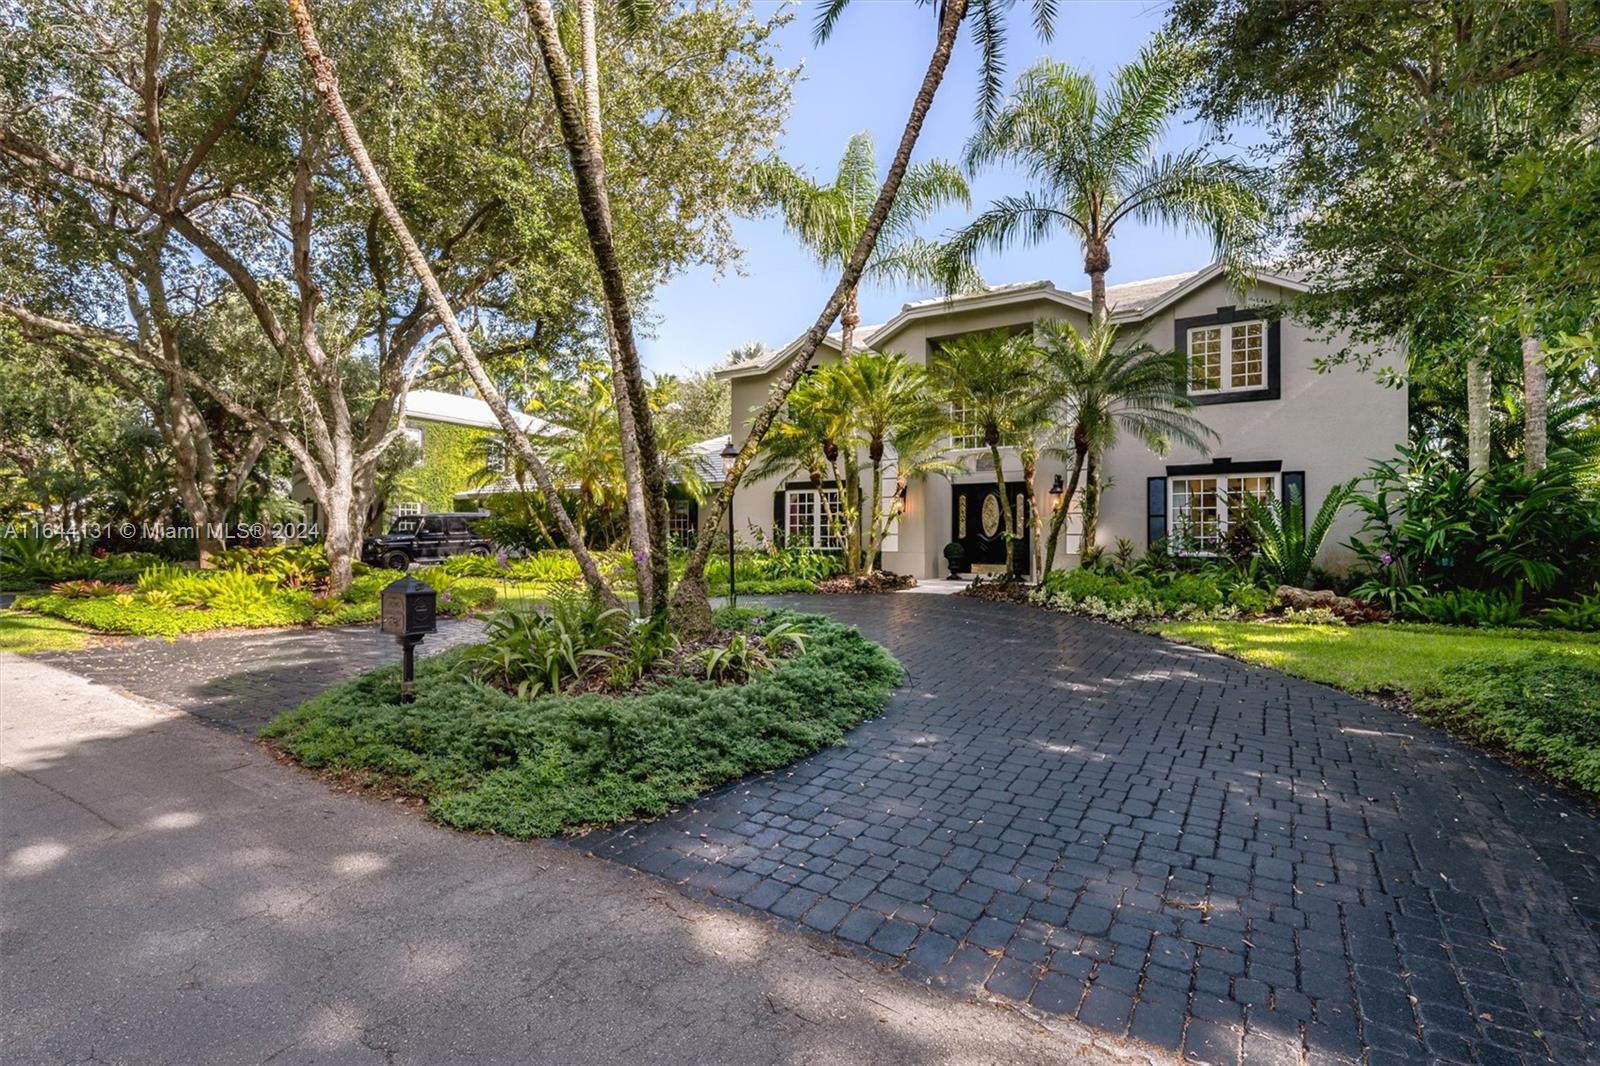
x=425, y=538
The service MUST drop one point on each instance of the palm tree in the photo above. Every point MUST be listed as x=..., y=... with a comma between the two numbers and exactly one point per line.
x=830, y=219
x=985, y=377
x=1093, y=160
x=880, y=407
x=896, y=415
x=691, y=599
x=1102, y=390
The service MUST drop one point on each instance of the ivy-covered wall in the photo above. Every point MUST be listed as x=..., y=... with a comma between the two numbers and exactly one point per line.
x=451, y=455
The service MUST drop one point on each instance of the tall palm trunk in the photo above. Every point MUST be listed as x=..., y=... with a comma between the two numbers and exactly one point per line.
x=1478, y=387
x=1030, y=471
x=327, y=86
x=1091, y=504
x=1535, y=405
x=870, y=550
x=1058, y=520
x=1096, y=261
x=691, y=599
x=638, y=508
x=589, y=172
x=849, y=319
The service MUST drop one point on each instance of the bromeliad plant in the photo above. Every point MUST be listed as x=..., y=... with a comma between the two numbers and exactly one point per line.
x=752, y=653
x=530, y=653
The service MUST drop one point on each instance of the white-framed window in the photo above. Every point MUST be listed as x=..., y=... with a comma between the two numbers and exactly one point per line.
x=1231, y=357
x=680, y=524
x=408, y=508
x=494, y=457
x=805, y=520
x=1200, y=508
x=966, y=433
x=414, y=435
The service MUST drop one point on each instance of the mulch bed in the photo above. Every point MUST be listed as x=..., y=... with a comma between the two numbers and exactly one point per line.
x=998, y=590
x=875, y=582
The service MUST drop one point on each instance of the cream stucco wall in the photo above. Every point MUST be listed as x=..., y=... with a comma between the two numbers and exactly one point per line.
x=1328, y=425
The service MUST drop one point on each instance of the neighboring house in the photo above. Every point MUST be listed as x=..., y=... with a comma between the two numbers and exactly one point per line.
x=1278, y=422
x=459, y=441
x=456, y=439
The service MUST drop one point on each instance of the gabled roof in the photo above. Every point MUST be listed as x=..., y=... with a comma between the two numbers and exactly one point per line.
x=433, y=406
x=1128, y=302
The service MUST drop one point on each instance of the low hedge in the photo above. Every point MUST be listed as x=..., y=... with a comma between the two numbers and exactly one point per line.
x=1126, y=597
x=488, y=762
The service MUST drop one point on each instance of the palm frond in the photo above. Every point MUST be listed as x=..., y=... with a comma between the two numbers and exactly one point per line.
x=989, y=34
x=1142, y=98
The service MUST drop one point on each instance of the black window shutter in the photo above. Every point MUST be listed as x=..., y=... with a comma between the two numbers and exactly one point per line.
x=777, y=514
x=1155, y=509
x=1294, y=487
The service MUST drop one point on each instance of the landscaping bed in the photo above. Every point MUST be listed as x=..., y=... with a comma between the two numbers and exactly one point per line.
x=250, y=589
x=485, y=760
x=1533, y=696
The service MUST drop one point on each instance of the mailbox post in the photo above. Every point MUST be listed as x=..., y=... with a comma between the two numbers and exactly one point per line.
x=408, y=613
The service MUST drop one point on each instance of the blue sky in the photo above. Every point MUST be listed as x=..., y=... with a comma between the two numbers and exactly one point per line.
x=864, y=79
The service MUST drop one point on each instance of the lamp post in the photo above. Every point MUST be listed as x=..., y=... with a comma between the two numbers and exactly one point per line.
x=730, y=455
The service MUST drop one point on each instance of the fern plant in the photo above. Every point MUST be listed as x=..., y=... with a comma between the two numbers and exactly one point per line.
x=1287, y=543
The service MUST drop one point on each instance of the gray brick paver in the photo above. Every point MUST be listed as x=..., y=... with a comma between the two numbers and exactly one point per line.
x=1221, y=861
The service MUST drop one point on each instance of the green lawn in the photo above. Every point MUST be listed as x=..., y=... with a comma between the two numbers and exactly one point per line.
x=1534, y=694
x=28, y=633
x=1377, y=658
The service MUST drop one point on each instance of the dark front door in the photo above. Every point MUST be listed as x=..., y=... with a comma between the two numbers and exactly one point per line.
x=978, y=524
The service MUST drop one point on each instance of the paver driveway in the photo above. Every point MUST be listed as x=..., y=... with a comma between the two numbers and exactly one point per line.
x=1162, y=842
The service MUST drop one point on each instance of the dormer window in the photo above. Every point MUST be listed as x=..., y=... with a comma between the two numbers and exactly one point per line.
x=1228, y=357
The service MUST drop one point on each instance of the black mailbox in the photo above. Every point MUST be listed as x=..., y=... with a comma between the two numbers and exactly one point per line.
x=408, y=608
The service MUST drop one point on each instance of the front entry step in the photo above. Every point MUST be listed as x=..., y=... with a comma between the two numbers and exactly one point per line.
x=989, y=569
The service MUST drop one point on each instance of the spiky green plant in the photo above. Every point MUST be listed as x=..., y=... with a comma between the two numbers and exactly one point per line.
x=1288, y=544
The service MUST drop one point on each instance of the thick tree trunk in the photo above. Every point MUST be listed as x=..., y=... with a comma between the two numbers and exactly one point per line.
x=1479, y=385
x=589, y=172
x=327, y=85
x=690, y=603
x=1063, y=511
x=1535, y=405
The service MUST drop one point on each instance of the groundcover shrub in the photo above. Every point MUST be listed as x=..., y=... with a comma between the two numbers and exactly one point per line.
x=1121, y=597
x=489, y=762
x=1543, y=708
x=263, y=588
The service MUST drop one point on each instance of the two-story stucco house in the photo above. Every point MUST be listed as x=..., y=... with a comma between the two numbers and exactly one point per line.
x=1278, y=420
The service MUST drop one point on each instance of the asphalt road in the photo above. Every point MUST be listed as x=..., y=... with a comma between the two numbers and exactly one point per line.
x=171, y=894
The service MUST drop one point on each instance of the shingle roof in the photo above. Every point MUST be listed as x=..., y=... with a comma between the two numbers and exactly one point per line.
x=1133, y=296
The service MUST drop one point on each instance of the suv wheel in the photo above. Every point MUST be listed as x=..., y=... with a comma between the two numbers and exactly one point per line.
x=396, y=561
